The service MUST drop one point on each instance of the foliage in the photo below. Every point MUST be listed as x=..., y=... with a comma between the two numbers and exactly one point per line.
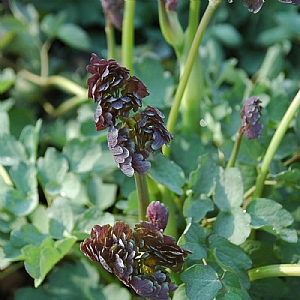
x=233, y=203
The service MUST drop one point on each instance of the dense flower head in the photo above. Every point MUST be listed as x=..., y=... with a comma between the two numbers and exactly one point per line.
x=114, y=90
x=139, y=258
x=156, y=286
x=152, y=130
x=113, y=248
x=255, y=5
x=113, y=10
x=158, y=214
x=251, y=113
x=132, y=135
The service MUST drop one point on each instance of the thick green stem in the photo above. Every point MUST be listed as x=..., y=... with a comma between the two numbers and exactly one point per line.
x=128, y=34
x=274, y=144
x=235, y=149
x=142, y=193
x=172, y=226
x=110, y=39
x=213, y=4
x=274, y=271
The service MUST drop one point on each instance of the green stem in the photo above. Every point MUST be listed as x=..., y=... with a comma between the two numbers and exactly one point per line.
x=167, y=198
x=56, y=80
x=4, y=175
x=44, y=59
x=128, y=34
x=64, y=107
x=110, y=39
x=193, y=21
x=235, y=149
x=11, y=269
x=274, y=144
x=274, y=271
x=142, y=193
x=212, y=5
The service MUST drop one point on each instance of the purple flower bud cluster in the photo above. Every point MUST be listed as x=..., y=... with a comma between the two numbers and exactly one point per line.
x=250, y=116
x=139, y=258
x=131, y=139
x=255, y=5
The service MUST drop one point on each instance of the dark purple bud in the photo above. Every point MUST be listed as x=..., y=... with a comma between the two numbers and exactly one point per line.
x=113, y=10
x=158, y=214
x=250, y=116
x=154, y=287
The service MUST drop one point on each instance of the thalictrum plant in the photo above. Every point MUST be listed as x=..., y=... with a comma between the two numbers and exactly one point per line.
x=111, y=193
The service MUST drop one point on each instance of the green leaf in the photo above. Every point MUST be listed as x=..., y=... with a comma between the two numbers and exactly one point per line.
x=71, y=186
x=202, y=180
x=159, y=86
x=273, y=218
x=30, y=139
x=51, y=23
x=185, y=151
x=233, y=225
x=4, y=121
x=193, y=239
x=230, y=257
x=82, y=154
x=11, y=150
x=289, y=253
x=102, y=195
x=90, y=217
x=9, y=221
x=52, y=167
x=233, y=289
x=24, y=199
x=61, y=218
x=227, y=34
x=39, y=218
x=289, y=177
x=27, y=234
x=7, y=79
x=229, y=189
x=201, y=281
x=74, y=36
x=40, y=260
x=180, y=293
x=168, y=173
x=197, y=208
x=77, y=280
x=114, y=291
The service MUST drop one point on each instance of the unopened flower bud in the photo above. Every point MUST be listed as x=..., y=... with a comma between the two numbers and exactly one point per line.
x=158, y=214
x=250, y=116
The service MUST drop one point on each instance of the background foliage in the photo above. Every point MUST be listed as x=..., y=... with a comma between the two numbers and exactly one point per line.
x=62, y=179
